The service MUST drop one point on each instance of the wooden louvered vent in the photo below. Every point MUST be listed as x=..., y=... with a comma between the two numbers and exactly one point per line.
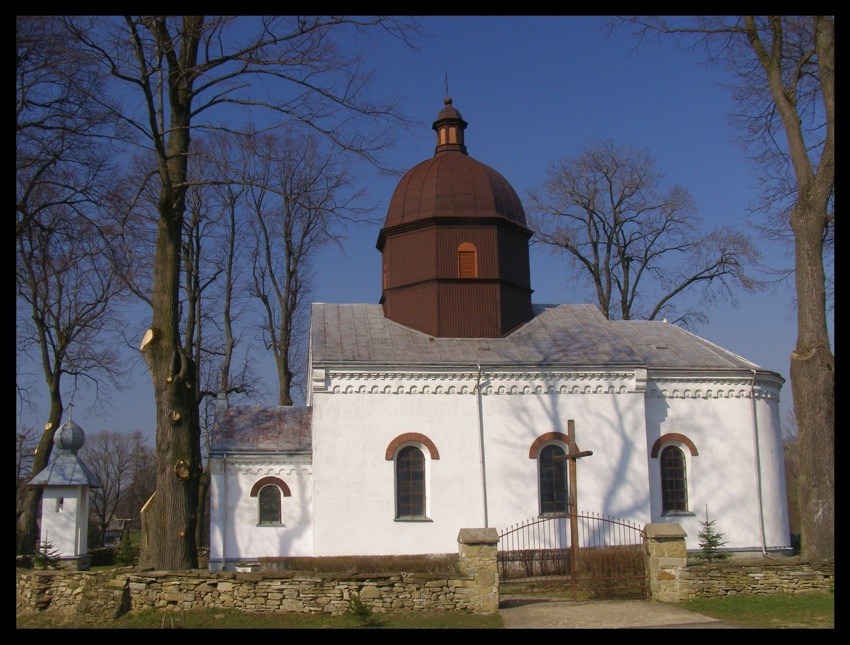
x=467, y=261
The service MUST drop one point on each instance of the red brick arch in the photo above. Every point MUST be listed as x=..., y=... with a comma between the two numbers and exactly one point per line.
x=672, y=436
x=411, y=436
x=270, y=481
x=545, y=438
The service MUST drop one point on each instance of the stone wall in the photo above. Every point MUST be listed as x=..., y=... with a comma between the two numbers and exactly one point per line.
x=109, y=594
x=763, y=576
x=673, y=579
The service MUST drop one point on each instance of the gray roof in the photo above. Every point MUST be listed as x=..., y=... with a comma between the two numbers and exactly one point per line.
x=249, y=429
x=559, y=336
x=66, y=469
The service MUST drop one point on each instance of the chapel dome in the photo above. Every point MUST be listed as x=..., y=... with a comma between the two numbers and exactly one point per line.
x=69, y=436
x=453, y=184
x=454, y=245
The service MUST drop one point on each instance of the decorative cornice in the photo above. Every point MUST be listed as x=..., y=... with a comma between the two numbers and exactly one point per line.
x=492, y=383
x=265, y=467
x=639, y=380
x=712, y=388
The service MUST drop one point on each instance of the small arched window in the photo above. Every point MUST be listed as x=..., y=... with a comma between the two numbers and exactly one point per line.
x=467, y=260
x=674, y=480
x=553, y=480
x=410, y=483
x=270, y=505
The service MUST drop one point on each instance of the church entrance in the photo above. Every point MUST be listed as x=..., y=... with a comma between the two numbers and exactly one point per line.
x=583, y=556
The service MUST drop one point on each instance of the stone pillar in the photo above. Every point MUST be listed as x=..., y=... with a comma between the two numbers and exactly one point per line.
x=666, y=557
x=478, y=557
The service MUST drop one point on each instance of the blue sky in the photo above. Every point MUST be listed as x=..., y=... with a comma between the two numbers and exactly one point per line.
x=538, y=89
x=535, y=90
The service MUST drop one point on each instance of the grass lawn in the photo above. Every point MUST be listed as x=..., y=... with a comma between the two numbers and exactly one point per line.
x=774, y=611
x=222, y=619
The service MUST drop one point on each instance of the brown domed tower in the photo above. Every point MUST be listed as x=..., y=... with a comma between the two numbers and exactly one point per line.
x=455, y=245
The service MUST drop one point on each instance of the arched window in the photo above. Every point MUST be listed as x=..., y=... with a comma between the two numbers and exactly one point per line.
x=410, y=483
x=269, y=505
x=467, y=260
x=552, y=465
x=674, y=480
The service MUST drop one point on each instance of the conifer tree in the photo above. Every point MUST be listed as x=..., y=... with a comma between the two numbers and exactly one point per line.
x=710, y=541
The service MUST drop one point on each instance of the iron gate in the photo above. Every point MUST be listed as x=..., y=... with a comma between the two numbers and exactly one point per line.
x=592, y=555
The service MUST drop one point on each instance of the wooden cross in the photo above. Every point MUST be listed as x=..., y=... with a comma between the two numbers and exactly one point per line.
x=571, y=456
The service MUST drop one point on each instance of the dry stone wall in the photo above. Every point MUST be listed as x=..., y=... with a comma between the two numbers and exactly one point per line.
x=110, y=594
x=755, y=577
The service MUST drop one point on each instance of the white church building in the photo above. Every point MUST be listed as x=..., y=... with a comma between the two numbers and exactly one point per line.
x=447, y=404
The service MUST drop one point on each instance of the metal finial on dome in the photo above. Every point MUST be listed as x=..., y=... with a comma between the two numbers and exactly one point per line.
x=447, y=100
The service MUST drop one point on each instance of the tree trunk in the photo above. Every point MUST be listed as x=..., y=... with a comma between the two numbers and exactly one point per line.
x=27, y=526
x=170, y=516
x=812, y=369
x=813, y=384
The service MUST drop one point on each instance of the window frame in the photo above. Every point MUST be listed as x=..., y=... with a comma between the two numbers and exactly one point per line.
x=671, y=496
x=550, y=485
x=261, y=502
x=403, y=450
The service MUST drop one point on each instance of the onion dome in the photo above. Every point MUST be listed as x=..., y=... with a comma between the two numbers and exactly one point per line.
x=69, y=436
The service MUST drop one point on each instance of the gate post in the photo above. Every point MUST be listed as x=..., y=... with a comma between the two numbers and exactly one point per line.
x=478, y=557
x=666, y=555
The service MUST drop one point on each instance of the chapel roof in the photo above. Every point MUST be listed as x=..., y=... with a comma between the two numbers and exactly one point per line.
x=65, y=468
x=247, y=429
x=565, y=335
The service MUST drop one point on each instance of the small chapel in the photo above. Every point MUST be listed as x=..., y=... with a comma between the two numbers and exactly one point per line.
x=455, y=401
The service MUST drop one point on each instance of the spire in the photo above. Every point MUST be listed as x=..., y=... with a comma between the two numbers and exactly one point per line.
x=449, y=127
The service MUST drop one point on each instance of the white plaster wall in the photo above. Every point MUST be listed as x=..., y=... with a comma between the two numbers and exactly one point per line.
x=354, y=501
x=63, y=527
x=613, y=480
x=724, y=476
x=236, y=535
x=772, y=457
x=357, y=416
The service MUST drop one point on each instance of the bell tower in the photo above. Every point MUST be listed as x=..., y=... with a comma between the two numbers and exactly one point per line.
x=454, y=244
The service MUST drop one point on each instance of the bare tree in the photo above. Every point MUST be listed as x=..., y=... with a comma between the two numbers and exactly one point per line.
x=66, y=290
x=110, y=456
x=66, y=321
x=193, y=72
x=786, y=95
x=300, y=198
x=60, y=123
x=214, y=264
x=639, y=245
x=142, y=480
x=25, y=445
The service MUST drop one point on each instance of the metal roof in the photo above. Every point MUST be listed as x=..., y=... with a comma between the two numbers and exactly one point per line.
x=248, y=429
x=562, y=335
x=66, y=469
